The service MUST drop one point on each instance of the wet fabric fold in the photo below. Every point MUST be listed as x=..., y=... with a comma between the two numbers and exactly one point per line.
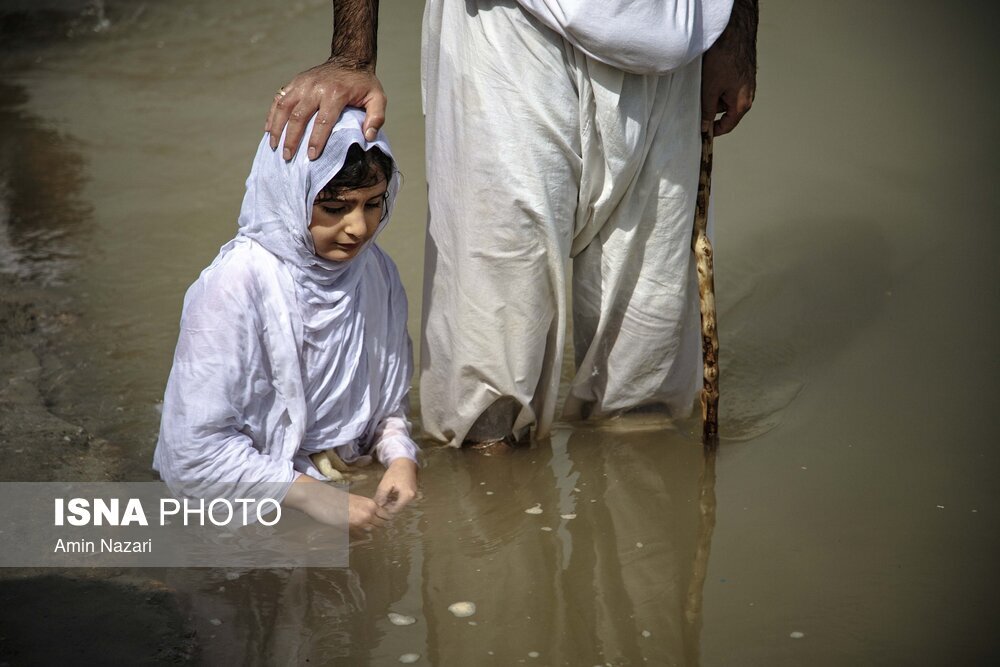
x=281, y=352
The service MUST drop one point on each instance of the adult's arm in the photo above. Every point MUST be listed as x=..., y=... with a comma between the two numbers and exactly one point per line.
x=729, y=70
x=346, y=79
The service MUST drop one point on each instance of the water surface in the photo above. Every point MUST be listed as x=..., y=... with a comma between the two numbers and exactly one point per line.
x=853, y=499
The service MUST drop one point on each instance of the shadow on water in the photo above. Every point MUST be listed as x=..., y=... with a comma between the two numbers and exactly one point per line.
x=815, y=292
x=58, y=620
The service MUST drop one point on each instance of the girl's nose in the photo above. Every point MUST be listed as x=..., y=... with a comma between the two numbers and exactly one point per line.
x=354, y=222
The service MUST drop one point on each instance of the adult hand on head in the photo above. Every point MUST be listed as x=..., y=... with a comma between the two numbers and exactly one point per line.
x=324, y=90
x=729, y=70
x=398, y=486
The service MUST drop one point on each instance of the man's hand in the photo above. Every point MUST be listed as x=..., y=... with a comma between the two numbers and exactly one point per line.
x=729, y=70
x=346, y=79
x=398, y=486
x=325, y=89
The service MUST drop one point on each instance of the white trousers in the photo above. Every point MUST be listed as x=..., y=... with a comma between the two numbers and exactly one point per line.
x=538, y=155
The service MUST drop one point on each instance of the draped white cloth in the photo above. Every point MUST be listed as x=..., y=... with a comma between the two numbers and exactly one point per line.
x=538, y=156
x=282, y=352
x=638, y=36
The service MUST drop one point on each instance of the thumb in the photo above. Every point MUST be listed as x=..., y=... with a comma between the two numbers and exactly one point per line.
x=374, y=117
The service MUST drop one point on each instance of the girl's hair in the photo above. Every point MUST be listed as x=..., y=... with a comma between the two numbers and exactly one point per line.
x=361, y=170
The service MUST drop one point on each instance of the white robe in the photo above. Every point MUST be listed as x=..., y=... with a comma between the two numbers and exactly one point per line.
x=282, y=352
x=638, y=36
x=539, y=155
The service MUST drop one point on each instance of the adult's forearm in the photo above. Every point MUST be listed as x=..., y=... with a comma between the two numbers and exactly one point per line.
x=740, y=36
x=355, y=32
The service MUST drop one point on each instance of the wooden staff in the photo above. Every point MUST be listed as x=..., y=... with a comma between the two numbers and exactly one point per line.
x=706, y=297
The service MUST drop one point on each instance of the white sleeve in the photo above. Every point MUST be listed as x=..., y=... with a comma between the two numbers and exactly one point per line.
x=393, y=441
x=204, y=449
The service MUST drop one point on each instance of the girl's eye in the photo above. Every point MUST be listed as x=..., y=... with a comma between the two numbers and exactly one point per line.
x=333, y=210
x=374, y=205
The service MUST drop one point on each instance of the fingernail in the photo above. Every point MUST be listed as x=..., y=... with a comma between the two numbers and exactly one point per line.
x=312, y=153
x=287, y=154
x=371, y=133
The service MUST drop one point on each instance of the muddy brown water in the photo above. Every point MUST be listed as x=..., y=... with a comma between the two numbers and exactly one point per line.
x=850, y=516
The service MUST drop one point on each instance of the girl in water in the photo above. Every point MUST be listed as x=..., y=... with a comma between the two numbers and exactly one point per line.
x=293, y=360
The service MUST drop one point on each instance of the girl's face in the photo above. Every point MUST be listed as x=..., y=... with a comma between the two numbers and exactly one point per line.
x=342, y=223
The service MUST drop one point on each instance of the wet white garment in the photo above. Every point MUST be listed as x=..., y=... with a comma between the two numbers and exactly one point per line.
x=638, y=36
x=539, y=155
x=282, y=352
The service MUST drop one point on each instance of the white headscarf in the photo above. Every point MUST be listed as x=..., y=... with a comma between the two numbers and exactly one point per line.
x=329, y=337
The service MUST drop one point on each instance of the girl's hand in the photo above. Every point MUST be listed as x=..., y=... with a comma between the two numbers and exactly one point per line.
x=398, y=486
x=364, y=514
x=325, y=504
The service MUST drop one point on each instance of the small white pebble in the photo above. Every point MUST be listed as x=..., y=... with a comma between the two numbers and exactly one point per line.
x=646, y=633
x=804, y=468
x=401, y=619
x=940, y=507
x=489, y=493
x=473, y=623
x=537, y=509
x=593, y=500
x=222, y=589
x=638, y=545
x=975, y=511
x=533, y=654
x=577, y=489
x=489, y=653
x=462, y=609
x=568, y=516
x=409, y=658
x=482, y=484
x=547, y=529
x=797, y=635
x=215, y=621
x=232, y=576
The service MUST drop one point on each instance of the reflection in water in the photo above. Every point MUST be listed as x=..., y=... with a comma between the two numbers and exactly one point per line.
x=611, y=570
x=41, y=212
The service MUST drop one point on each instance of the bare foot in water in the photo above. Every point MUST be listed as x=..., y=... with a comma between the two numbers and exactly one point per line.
x=500, y=447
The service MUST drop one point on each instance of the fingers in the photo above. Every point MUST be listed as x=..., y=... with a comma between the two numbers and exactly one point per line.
x=325, y=120
x=374, y=116
x=277, y=117
x=735, y=106
x=297, y=120
x=366, y=515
